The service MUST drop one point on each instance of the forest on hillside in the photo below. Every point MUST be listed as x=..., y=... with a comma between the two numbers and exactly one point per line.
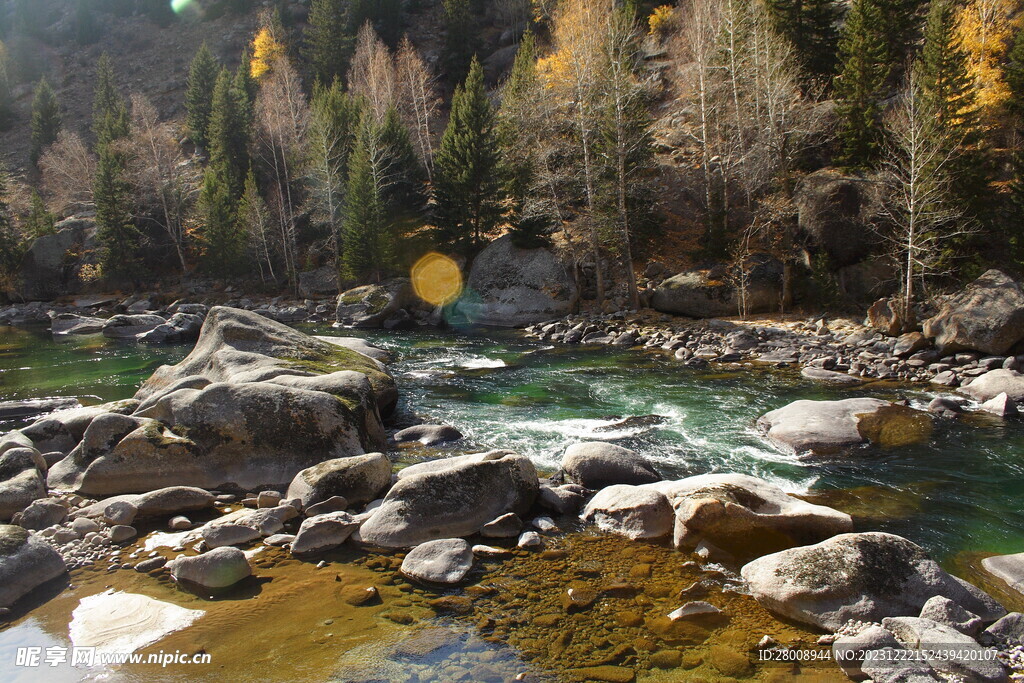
x=349, y=134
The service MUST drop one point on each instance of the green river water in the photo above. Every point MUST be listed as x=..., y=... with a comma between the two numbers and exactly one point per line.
x=958, y=495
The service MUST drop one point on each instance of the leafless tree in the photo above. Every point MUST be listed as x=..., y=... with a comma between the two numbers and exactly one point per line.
x=160, y=173
x=68, y=169
x=282, y=118
x=372, y=73
x=418, y=100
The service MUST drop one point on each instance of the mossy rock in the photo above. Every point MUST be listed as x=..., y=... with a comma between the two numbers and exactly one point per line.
x=894, y=426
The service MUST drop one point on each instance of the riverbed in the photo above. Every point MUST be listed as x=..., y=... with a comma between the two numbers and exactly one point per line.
x=957, y=495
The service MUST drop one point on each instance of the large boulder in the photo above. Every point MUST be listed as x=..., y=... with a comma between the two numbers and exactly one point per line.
x=712, y=293
x=131, y=326
x=746, y=516
x=884, y=316
x=26, y=562
x=157, y=503
x=248, y=436
x=1009, y=568
x=834, y=211
x=216, y=569
x=631, y=511
x=323, y=532
x=452, y=501
x=987, y=316
x=359, y=479
x=22, y=479
x=513, y=287
x=323, y=280
x=596, y=464
x=373, y=305
x=996, y=382
x=442, y=561
x=814, y=428
x=65, y=324
x=46, y=272
x=858, y=576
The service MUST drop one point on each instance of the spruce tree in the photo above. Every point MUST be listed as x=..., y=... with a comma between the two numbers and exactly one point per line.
x=367, y=235
x=46, y=120
x=109, y=110
x=1013, y=71
x=460, y=40
x=39, y=221
x=861, y=84
x=812, y=27
x=202, y=77
x=223, y=241
x=404, y=197
x=229, y=132
x=468, y=188
x=328, y=40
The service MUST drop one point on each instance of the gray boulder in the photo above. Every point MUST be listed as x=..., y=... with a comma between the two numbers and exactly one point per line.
x=22, y=480
x=372, y=305
x=443, y=561
x=49, y=435
x=26, y=562
x=218, y=568
x=859, y=576
x=359, y=346
x=452, y=501
x=220, y=535
x=67, y=324
x=631, y=511
x=428, y=435
x=1009, y=568
x=944, y=611
x=954, y=652
x=45, y=271
x=130, y=326
x=995, y=382
x=829, y=376
x=833, y=212
x=987, y=316
x=513, y=287
x=323, y=280
x=324, y=532
x=848, y=651
x=745, y=515
x=43, y=513
x=359, y=479
x=711, y=294
x=596, y=464
x=24, y=408
x=160, y=502
x=1008, y=630
x=813, y=428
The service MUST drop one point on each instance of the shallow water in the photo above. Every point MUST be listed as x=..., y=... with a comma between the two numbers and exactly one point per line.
x=958, y=495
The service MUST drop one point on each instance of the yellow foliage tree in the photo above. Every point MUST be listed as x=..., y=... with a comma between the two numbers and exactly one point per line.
x=266, y=50
x=985, y=28
x=661, y=21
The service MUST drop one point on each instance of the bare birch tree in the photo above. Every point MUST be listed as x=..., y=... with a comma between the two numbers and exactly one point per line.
x=418, y=101
x=68, y=169
x=372, y=73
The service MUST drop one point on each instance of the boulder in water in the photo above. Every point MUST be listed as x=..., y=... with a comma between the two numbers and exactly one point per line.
x=596, y=464
x=996, y=382
x=372, y=305
x=442, y=561
x=631, y=511
x=26, y=562
x=22, y=480
x=218, y=568
x=358, y=479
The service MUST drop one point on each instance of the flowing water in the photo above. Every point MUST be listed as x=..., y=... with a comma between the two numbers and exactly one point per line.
x=958, y=495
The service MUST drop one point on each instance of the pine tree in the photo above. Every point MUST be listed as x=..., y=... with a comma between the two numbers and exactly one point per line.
x=811, y=26
x=46, y=119
x=223, y=242
x=202, y=77
x=460, y=40
x=328, y=41
x=405, y=195
x=1013, y=72
x=367, y=235
x=109, y=110
x=116, y=229
x=229, y=132
x=39, y=221
x=468, y=188
x=861, y=84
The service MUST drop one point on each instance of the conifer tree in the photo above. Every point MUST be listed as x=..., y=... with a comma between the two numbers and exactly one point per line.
x=468, y=188
x=223, y=241
x=861, y=84
x=39, y=221
x=46, y=119
x=367, y=237
x=109, y=110
x=202, y=77
x=1014, y=74
x=405, y=195
x=328, y=40
x=811, y=26
x=229, y=132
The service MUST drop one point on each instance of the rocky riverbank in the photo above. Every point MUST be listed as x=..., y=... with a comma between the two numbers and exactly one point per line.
x=264, y=447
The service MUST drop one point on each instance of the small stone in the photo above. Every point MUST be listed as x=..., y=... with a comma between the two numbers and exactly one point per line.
x=268, y=499
x=84, y=525
x=180, y=523
x=530, y=539
x=544, y=524
x=695, y=609
x=667, y=659
x=150, y=564
x=490, y=551
x=506, y=526
x=121, y=533
x=120, y=512
x=359, y=596
x=278, y=539
x=332, y=504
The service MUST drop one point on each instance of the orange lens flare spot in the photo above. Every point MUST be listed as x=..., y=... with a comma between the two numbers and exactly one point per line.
x=437, y=279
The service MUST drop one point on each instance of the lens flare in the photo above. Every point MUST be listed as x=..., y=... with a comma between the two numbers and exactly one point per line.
x=179, y=6
x=437, y=279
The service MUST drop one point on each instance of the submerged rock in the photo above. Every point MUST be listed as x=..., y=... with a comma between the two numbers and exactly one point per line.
x=1009, y=568
x=746, y=516
x=828, y=427
x=26, y=562
x=456, y=500
x=631, y=511
x=218, y=568
x=858, y=576
x=596, y=464
x=442, y=561
x=428, y=435
x=125, y=622
x=324, y=532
